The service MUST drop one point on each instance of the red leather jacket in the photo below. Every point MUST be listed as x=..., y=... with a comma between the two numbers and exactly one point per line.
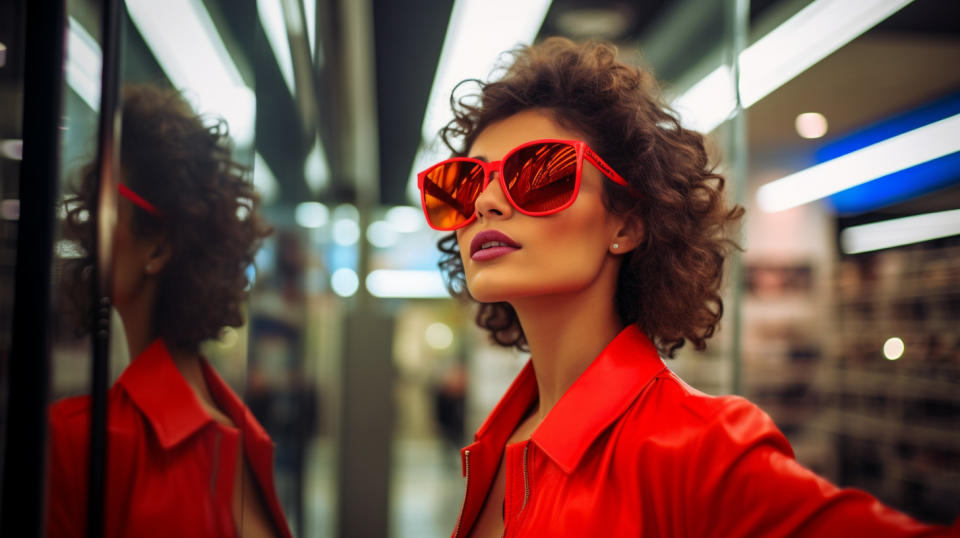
x=170, y=466
x=631, y=450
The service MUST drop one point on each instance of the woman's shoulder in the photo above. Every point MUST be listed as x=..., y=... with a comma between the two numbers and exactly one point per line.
x=70, y=414
x=69, y=417
x=671, y=408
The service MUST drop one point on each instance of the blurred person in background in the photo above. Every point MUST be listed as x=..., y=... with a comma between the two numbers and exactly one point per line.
x=185, y=457
x=592, y=229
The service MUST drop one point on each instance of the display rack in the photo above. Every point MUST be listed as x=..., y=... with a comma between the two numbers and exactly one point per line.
x=896, y=423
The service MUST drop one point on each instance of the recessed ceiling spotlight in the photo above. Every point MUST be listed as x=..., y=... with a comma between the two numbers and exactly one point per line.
x=610, y=23
x=811, y=125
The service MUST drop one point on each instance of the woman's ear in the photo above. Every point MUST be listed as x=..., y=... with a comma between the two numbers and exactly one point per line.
x=160, y=253
x=628, y=236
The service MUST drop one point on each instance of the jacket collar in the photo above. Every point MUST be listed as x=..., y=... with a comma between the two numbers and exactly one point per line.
x=596, y=399
x=169, y=404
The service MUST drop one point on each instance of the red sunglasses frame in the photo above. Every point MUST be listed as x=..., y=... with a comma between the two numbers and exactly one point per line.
x=583, y=152
x=137, y=199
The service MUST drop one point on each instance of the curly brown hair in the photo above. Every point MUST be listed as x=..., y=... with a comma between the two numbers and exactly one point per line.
x=670, y=284
x=182, y=164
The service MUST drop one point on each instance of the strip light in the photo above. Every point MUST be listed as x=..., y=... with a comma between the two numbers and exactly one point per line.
x=406, y=284
x=264, y=181
x=478, y=32
x=812, y=34
x=274, y=25
x=709, y=102
x=914, y=147
x=84, y=60
x=898, y=232
x=310, y=16
x=186, y=44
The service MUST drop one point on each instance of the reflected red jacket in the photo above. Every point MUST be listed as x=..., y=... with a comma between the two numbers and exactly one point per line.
x=170, y=466
x=631, y=450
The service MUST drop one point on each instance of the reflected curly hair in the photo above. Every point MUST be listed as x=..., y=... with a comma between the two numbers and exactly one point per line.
x=670, y=284
x=182, y=165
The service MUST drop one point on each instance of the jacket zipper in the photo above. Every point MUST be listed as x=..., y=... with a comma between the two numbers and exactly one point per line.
x=466, y=459
x=526, y=487
x=526, y=483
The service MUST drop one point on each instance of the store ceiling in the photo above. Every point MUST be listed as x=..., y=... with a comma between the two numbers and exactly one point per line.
x=896, y=66
x=902, y=63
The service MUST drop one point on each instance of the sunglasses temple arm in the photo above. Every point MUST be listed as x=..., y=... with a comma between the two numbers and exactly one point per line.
x=604, y=167
x=137, y=199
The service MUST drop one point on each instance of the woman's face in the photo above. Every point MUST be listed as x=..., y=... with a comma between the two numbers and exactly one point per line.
x=133, y=257
x=556, y=254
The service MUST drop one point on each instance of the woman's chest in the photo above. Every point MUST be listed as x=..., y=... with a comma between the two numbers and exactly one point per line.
x=187, y=490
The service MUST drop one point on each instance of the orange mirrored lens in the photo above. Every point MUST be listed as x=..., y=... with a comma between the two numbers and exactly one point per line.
x=541, y=177
x=450, y=190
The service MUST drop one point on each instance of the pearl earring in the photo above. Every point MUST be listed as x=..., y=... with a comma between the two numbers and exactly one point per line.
x=616, y=246
x=149, y=267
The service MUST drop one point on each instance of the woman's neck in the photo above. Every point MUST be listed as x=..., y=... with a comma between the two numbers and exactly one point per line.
x=138, y=326
x=565, y=332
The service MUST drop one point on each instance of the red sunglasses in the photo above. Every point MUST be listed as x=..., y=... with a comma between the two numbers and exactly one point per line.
x=539, y=178
x=137, y=199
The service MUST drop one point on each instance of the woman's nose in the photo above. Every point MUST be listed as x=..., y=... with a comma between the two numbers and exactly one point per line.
x=492, y=201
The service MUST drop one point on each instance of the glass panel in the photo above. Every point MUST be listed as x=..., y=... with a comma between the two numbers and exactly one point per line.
x=185, y=455
x=183, y=275
x=73, y=276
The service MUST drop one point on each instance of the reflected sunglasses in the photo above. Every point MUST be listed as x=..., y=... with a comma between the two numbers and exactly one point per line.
x=539, y=178
x=137, y=199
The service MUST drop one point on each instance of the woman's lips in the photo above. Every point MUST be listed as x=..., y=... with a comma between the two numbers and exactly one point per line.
x=490, y=244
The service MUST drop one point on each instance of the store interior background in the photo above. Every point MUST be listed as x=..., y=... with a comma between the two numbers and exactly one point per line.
x=369, y=377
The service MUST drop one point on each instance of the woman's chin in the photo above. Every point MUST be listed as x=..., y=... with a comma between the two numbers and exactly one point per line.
x=509, y=293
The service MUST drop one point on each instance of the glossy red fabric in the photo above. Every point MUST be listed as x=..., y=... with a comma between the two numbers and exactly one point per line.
x=631, y=450
x=170, y=466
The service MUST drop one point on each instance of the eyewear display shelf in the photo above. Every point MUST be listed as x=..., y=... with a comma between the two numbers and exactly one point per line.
x=896, y=417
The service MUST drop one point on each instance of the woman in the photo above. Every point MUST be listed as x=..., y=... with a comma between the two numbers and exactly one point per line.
x=592, y=230
x=184, y=457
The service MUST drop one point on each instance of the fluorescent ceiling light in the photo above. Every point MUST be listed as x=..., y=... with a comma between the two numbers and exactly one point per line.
x=709, y=102
x=381, y=235
x=316, y=169
x=310, y=14
x=264, y=181
x=405, y=219
x=810, y=35
x=406, y=284
x=811, y=125
x=186, y=44
x=84, y=61
x=344, y=282
x=272, y=18
x=478, y=32
x=12, y=149
x=312, y=215
x=883, y=158
x=897, y=232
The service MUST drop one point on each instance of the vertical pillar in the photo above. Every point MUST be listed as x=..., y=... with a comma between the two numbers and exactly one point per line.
x=366, y=430
x=737, y=18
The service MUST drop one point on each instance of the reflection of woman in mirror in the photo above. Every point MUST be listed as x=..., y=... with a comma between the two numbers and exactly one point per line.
x=185, y=457
x=592, y=230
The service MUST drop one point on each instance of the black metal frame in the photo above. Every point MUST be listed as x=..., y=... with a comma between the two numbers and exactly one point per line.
x=106, y=213
x=23, y=477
